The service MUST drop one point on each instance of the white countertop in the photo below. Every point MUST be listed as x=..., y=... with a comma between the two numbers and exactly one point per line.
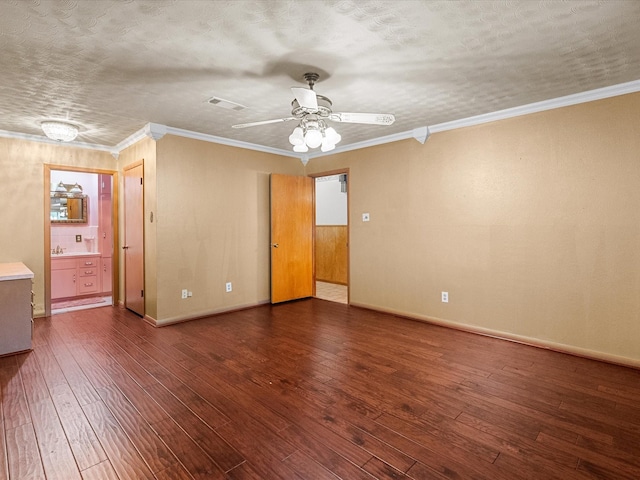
x=75, y=254
x=14, y=271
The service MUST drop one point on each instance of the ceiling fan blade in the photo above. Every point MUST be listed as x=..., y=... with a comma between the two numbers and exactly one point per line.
x=369, y=118
x=306, y=98
x=263, y=122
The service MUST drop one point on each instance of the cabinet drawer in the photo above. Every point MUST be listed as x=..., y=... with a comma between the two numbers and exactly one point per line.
x=87, y=271
x=87, y=285
x=63, y=263
x=86, y=262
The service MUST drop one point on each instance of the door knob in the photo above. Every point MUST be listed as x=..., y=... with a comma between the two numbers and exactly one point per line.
x=125, y=247
x=275, y=245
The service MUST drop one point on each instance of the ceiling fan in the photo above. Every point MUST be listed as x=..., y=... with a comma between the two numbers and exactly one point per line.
x=312, y=110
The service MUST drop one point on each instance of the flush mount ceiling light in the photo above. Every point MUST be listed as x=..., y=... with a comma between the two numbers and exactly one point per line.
x=60, y=131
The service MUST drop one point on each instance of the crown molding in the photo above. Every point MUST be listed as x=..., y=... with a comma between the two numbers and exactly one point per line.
x=420, y=134
x=566, y=101
x=42, y=139
x=156, y=131
x=131, y=140
x=227, y=141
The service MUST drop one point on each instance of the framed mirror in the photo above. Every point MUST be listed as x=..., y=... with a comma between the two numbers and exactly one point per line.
x=68, y=204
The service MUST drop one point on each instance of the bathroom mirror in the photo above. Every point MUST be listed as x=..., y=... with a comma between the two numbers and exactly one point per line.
x=68, y=208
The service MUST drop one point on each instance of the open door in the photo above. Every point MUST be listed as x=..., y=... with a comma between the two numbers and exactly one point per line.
x=134, y=239
x=292, y=212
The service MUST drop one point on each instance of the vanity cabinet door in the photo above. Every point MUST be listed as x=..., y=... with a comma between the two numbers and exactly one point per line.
x=63, y=283
x=106, y=275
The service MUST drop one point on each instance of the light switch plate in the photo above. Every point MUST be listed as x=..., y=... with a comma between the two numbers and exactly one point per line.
x=365, y=217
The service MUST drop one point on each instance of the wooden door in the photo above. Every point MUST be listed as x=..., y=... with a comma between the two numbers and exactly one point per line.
x=133, y=247
x=292, y=212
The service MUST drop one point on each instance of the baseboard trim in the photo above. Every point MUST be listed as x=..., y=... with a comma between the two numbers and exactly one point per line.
x=511, y=337
x=210, y=313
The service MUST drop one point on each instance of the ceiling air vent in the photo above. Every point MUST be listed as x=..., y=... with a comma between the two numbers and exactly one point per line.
x=222, y=103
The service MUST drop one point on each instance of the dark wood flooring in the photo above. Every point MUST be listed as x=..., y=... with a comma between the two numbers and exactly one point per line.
x=307, y=390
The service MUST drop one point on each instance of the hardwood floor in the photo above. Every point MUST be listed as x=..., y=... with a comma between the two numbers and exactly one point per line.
x=307, y=390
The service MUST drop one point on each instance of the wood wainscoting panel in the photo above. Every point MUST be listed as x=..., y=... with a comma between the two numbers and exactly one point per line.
x=331, y=253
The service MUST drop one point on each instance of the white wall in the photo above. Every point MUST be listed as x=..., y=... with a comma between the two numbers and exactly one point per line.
x=331, y=203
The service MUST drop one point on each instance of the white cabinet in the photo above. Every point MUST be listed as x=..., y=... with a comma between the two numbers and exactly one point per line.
x=16, y=308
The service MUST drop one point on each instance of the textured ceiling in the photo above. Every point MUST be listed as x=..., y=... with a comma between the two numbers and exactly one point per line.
x=113, y=66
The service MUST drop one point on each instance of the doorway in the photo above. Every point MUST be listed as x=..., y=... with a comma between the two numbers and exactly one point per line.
x=332, y=237
x=80, y=232
x=133, y=248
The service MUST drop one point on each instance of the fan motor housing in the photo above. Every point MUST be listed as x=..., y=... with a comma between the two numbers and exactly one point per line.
x=324, y=108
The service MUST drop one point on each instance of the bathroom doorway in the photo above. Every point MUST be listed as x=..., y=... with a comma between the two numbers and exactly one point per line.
x=332, y=237
x=81, y=226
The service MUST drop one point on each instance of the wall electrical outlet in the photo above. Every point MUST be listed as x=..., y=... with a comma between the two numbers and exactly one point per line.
x=445, y=297
x=78, y=238
x=185, y=293
x=189, y=294
x=228, y=287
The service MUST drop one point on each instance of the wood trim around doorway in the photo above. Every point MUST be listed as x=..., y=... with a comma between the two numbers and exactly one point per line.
x=341, y=171
x=115, y=259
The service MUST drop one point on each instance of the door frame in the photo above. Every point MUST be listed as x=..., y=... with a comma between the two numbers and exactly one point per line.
x=115, y=277
x=136, y=164
x=329, y=173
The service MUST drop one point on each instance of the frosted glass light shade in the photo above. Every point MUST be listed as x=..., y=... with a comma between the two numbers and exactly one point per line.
x=313, y=134
x=296, y=138
x=327, y=146
x=62, y=132
x=332, y=136
x=313, y=138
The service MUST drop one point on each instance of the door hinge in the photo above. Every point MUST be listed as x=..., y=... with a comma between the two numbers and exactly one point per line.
x=142, y=293
x=140, y=180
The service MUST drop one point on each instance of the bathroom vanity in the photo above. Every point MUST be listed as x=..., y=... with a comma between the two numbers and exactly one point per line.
x=74, y=275
x=16, y=308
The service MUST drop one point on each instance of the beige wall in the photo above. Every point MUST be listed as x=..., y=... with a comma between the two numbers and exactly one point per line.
x=22, y=216
x=212, y=226
x=531, y=224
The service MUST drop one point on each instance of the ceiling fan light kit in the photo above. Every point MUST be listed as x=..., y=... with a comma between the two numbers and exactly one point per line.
x=313, y=110
x=313, y=133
